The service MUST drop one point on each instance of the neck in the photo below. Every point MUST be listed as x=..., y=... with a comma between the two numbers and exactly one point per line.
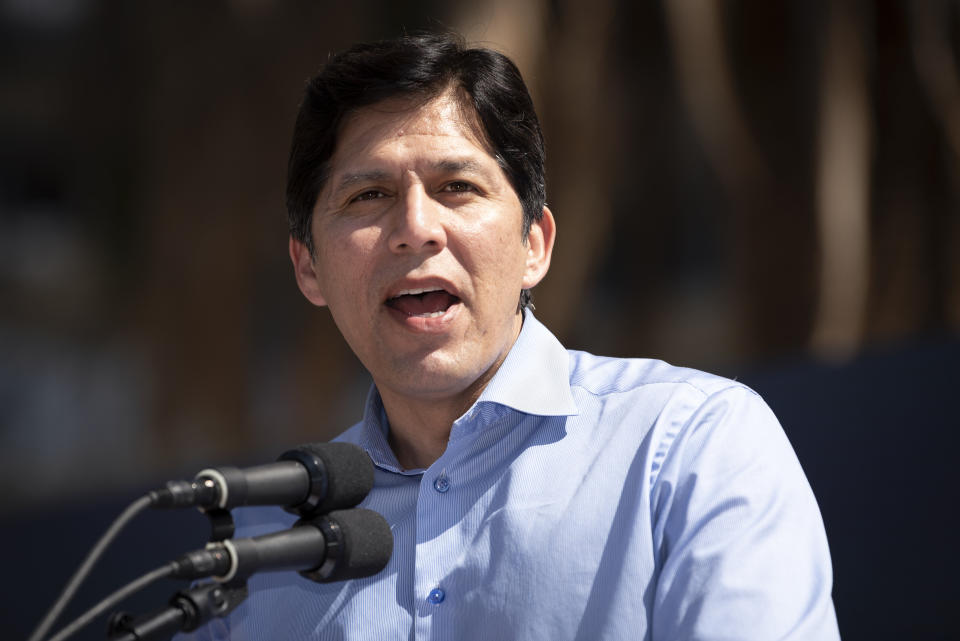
x=420, y=429
x=420, y=426
x=418, y=438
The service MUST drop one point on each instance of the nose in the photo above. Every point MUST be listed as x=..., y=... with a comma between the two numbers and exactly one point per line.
x=418, y=224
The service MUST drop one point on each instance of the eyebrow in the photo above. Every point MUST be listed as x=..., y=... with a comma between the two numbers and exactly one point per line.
x=353, y=178
x=455, y=166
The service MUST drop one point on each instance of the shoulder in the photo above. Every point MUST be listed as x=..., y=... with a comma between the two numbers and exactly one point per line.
x=602, y=375
x=684, y=413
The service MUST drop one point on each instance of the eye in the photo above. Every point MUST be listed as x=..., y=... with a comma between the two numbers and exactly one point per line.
x=459, y=186
x=370, y=194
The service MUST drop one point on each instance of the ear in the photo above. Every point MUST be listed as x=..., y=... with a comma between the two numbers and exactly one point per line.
x=305, y=270
x=539, y=248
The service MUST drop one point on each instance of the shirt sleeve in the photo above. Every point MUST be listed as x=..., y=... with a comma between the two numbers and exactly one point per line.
x=741, y=545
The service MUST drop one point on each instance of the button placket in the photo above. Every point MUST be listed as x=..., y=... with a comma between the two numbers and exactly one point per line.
x=435, y=554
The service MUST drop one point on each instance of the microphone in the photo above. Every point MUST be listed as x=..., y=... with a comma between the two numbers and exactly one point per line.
x=341, y=545
x=310, y=479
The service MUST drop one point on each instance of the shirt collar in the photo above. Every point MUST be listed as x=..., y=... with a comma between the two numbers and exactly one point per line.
x=535, y=376
x=533, y=379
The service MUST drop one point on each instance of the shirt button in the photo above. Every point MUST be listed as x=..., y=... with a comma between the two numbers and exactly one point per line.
x=441, y=484
x=436, y=596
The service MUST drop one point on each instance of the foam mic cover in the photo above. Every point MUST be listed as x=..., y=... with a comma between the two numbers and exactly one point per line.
x=359, y=543
x=342, y=475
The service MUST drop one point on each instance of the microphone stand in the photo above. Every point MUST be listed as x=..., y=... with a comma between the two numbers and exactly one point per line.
x=188, y=610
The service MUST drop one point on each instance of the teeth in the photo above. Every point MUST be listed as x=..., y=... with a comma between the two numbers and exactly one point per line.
x=414, y=292
x=431, y=314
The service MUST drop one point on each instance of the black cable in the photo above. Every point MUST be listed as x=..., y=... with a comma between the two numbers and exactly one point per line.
x=92, y=557
x=162, y=572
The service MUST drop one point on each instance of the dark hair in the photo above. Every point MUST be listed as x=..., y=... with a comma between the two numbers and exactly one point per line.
x=422, y=66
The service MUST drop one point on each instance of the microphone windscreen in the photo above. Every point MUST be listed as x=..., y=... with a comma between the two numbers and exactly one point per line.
x=349, y=475
x=364, y=544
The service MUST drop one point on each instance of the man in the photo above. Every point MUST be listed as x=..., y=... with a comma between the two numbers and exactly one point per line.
x=533, y=492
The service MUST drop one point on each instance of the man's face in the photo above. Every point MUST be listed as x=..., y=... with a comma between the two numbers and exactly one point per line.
x=419, y=251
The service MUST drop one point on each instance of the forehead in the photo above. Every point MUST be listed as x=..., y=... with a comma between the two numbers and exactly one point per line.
x=443, y=122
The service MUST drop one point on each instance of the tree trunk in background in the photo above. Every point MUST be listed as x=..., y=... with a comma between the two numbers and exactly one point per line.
x=772, y=261
x=843, y=189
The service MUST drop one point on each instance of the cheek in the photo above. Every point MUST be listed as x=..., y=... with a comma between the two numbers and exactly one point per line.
x=347, y=261
x=497, y=261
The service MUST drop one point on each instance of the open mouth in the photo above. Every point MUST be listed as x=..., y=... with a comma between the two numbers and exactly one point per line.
x=423, y=303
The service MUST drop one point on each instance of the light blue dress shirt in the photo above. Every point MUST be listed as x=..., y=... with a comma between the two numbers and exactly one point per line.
x=581, y=497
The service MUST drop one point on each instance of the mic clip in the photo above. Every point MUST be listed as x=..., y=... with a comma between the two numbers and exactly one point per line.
x=221, y=524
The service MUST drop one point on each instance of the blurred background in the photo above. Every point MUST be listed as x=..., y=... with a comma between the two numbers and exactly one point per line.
x=766, y=190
